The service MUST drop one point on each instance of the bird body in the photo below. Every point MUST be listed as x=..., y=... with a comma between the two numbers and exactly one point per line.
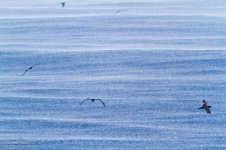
x=92, y=100
x=205, y=106
x=62, y=4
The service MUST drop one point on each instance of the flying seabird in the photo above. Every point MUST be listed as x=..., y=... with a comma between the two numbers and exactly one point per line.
x=92, y=100
x=205, y=106
x=29, y=69
x=62, y=4
x=117, y=11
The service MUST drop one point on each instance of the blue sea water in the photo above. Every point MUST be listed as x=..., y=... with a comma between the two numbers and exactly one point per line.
x=152, y=64
x=151, y=100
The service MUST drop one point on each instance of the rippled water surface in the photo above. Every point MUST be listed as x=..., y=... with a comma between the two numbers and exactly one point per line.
x=137, y=60
x=151, y=100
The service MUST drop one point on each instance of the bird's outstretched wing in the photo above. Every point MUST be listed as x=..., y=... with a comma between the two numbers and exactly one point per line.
x=35, y=64
x=207, y=110
x=203, y=106
x=101, y=101
x=84, y=101
x=25, y=71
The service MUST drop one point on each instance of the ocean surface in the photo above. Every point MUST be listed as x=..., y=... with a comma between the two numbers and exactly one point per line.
x=151, y=62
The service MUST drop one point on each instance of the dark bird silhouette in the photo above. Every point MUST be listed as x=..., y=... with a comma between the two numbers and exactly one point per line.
x=31, y=67
x=205, y=106
x=92, y=100
x=62, y=4
x=117, y=11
